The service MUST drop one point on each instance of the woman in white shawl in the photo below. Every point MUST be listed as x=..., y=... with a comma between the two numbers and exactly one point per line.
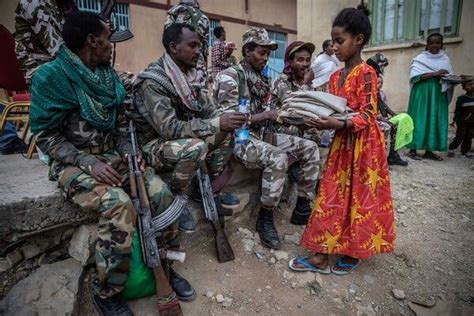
x=428, y=104
x=322, y=67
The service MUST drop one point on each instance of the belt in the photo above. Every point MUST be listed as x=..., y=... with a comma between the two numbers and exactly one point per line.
x=99, y=149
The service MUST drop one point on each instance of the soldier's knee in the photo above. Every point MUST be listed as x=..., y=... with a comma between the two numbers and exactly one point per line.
x=115, y=203
x=196, y=150
x=279, y=160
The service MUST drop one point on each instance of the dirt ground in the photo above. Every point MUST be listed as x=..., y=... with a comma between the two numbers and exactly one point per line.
x=432, y=260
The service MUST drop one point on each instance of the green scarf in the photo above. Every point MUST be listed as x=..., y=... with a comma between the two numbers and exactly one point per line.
x=66, y=84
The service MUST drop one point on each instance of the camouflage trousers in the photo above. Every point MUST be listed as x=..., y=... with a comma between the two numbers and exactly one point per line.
x=183, y=156
x=273, y=160
x=117, y=218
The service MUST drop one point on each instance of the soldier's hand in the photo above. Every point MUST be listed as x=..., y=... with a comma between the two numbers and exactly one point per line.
x=232, y=120
x=104, y=173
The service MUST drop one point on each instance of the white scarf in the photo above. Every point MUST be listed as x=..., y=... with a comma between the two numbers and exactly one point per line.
x=426, y=62
x=323, y=66
x=185, y=84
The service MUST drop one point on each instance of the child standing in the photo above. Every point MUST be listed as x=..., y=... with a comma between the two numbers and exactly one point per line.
x=353, y=212
x=464, y=120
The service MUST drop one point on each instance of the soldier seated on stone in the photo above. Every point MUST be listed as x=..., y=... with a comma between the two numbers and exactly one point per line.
x=74, y=113
x=178, y=126
x=246, y=81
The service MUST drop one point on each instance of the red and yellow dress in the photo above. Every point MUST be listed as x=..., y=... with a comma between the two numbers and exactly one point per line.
x=353, y=211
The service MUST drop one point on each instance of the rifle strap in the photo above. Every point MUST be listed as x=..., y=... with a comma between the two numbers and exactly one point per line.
x=220, y=181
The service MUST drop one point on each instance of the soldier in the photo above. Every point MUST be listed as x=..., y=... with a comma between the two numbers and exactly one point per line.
x=246, y=81
x=187, y=11
x=177, y=125
x=297, y=62
x=38, y=26
x=74, y=111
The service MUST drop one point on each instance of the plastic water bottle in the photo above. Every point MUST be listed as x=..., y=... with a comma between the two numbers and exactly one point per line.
x=325, y=139
x=242, y=133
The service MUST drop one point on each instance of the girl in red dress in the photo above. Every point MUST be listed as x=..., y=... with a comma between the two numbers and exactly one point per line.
x=353, y=212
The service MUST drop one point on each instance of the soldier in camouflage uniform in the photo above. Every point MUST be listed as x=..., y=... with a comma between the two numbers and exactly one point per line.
x=74, y=113
x=38, y=35
x=177, y=126
x=297, y=63
x=272, y=156
x=187, y=11
x=38, y=27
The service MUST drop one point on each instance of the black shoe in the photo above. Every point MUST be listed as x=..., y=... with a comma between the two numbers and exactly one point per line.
x=266, y=229
x=17, y=146
x=186, y=222
x=184, y=291
x=395, y=159
x=301, y=212
x=228, y=200
x=112, y=306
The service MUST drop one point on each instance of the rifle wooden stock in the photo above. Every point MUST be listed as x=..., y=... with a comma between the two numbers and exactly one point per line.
x=223, y=248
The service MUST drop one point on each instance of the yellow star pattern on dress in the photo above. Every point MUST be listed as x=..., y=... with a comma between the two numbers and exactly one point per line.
x=373, y=178
x=378, y=241
x=343, y=178
x=354, y=211
x=331, y=241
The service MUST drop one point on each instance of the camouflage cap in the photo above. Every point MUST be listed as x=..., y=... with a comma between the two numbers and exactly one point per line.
x=260, y=37
x=192, y=3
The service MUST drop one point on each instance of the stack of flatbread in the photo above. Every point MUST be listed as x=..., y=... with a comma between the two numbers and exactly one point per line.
x=302, y=105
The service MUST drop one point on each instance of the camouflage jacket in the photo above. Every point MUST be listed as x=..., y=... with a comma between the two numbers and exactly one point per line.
x=226, y=92
x=182, y=13
x=38, y=26
x=159, y=112
x=281, y=89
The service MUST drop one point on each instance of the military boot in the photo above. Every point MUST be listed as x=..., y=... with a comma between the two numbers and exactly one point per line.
x=111, y=306
x=266, y=229
x=301, y=212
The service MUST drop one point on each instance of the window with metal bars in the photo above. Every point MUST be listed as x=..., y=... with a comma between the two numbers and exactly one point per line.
x=397, y=21
x=120, y=17
x=212, y=25
x=276, y=60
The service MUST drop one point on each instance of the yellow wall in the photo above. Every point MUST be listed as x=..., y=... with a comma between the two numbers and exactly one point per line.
x=7, y=13
x=316, y=27
x=146, y=23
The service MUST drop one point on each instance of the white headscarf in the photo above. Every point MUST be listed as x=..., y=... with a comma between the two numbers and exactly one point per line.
x=427, y=62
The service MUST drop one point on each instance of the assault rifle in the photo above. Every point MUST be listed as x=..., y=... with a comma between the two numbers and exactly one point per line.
x=150, y=228
x=224, y=250
x=115, y=37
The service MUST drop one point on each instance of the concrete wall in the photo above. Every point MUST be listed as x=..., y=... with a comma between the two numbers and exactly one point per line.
x=146, y=23
x=316, y=27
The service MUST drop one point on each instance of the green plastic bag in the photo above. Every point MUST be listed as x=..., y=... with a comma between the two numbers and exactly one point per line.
x=140, y=281
x=405, y=129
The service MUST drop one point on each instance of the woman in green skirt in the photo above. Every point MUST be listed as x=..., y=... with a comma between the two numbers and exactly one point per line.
x=428, y=105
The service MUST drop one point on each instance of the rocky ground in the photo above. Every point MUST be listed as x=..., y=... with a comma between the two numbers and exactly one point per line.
x=432, y=262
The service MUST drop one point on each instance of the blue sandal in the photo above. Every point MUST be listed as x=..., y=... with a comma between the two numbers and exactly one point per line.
x=341, y=265
x=308, y=267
